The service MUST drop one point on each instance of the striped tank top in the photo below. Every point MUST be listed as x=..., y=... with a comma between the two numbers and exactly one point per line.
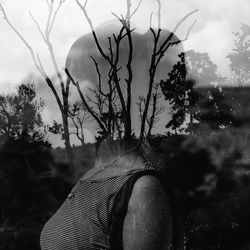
x=92, y=216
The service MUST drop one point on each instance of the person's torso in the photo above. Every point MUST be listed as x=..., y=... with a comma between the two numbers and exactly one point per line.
x=84, y=220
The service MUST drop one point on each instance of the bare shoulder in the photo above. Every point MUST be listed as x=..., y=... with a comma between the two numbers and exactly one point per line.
x=148, y=192
x=147, y=184
x=148, y=222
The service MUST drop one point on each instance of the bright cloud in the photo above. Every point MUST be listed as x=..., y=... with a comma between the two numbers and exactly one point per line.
x=214, y=39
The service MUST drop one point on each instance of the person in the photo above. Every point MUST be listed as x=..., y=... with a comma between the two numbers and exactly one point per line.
x=122, y=202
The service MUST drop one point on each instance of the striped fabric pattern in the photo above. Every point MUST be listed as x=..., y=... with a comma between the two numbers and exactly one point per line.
x=84, y=219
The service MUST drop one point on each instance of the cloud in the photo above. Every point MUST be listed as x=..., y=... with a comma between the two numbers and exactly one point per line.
x=82, y=67
x=213, y=39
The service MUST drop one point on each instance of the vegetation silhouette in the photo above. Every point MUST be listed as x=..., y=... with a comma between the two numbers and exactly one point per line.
x=26, y=162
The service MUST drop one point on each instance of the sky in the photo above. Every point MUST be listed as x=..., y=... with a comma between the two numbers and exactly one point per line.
x=216, y=19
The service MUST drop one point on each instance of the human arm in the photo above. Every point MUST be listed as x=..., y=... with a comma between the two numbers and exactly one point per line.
x=148, y=221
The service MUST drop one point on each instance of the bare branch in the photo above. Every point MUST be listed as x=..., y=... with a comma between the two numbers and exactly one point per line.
x=183, y=19
x=150, y=20
x=38, y=26
x=156, y=109
x=136, y=9
x=110, y=48
x=152, y=71
x=50, y=84
x=187, y=35
x=140, y=103
x=102, y=126
x=174, y=31
x=51, y=8
x=123, y=21
x=22, y=39
x=170, y=44
x=154, y=34
x=83, y=8
x=46, y=38
x=129, y=79
x=99, y=76
x=115, y=70
x=41, y=66
x=48, y=4
x=104, y=55
x=78, y=115
x=54, y=15
x=159, y=14
x=129, y=4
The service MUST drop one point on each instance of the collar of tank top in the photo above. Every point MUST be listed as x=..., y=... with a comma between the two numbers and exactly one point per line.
x=113, y=159
x=109, y=164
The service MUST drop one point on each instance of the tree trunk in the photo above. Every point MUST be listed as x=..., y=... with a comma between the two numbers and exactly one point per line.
x=67, y=141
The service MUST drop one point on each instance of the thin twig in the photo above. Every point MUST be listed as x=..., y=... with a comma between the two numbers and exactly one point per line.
x=170, y=44
x=47, y=1
x=51, y=7
x=99, y=76
x=150, y=19
x=83, y=8
x=22, y=39
x=54, y=16
x=129, y=4
x=110, y=48
x=135, y=10
x=41, y=66
x=102, y=126
x=38, y=26
x=174, y=31
x=159, y=14
x=187, y=35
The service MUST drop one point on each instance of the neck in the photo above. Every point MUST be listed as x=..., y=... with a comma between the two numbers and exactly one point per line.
x=125, y=159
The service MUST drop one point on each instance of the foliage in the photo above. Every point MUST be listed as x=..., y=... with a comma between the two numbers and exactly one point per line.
x=240, y=56
x=175, y=90
x=210, y=110
x=27, y=197
x=211, y=196
x=20, y=114
x=200, y=107
x=201, y=69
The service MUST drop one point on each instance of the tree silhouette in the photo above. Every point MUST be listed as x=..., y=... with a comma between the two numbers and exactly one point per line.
x=201, y=69
x=20, y=114
x=175, y=90
x=240, y=56
x=200, y=107
x=78, y=116
x=156, y=108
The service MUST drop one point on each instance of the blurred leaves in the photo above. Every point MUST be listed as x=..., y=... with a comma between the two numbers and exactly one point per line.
x=239, y=57
x=20, y=114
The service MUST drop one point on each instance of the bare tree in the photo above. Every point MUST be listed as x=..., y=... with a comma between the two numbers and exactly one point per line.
x=79, y=117
x=112, y=58
x=239, y=57
x=113, y=97
x=62, y=100
x=155, y=108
